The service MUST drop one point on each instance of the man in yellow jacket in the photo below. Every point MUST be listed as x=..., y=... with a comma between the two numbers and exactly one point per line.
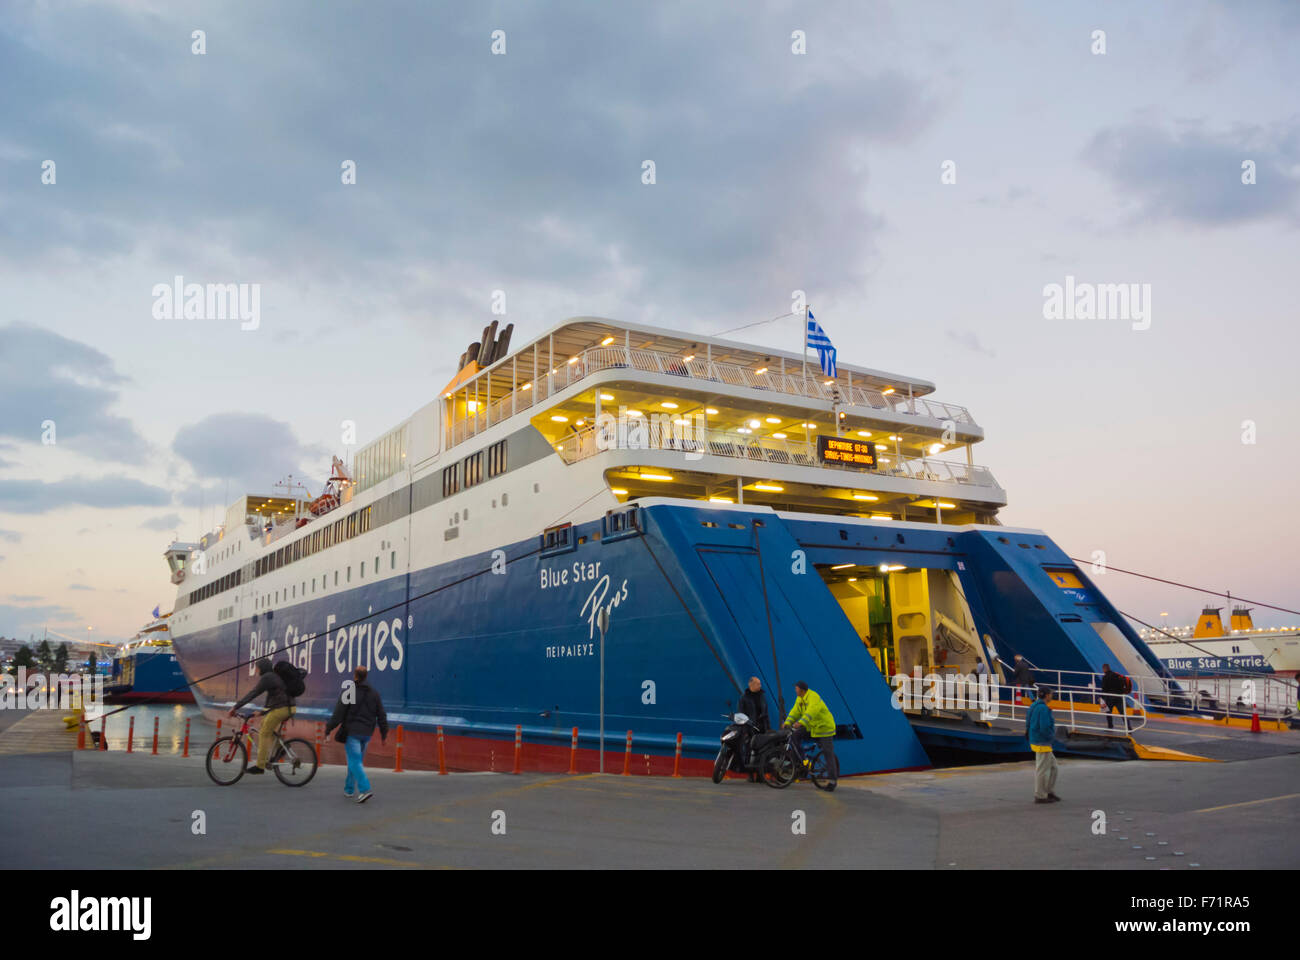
x=813, y=718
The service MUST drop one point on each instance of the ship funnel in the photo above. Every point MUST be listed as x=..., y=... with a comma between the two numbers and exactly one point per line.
x=1209, y=624
x=1241, y=619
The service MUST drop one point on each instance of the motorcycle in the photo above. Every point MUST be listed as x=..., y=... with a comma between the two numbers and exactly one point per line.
x=743, y=749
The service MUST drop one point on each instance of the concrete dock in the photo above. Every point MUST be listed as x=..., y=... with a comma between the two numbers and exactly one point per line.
x=63, y=808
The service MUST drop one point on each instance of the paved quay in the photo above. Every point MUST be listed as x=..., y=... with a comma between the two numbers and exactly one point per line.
x=98, y=810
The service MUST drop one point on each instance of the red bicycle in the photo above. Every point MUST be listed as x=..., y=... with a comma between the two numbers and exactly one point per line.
x=294, y=761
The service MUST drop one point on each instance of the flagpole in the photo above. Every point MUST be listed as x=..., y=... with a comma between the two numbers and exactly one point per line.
x=807, y=434
x=805, y=341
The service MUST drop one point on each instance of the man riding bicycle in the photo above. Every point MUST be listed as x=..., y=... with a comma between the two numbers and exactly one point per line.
x=279, y=708
x=810, y=717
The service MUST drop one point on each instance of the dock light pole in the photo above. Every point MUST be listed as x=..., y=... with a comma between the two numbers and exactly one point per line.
x=602, y=623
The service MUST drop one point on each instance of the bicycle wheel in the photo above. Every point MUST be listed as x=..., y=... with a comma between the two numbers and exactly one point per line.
x=781, y=769
x=823, y=777
x=295, y=763
x=226, y=761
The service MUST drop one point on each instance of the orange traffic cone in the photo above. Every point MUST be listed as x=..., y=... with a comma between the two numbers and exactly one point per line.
x=1254, y=721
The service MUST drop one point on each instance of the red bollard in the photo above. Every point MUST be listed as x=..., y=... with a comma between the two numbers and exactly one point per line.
x=397, y=767
x=442, y=756
x=103, y=733
x=519, y=746
x=320, y=733
x=130, y=735
x=627, y=756
x=155, y=736
x=1254, y=721
x=81, y=732
x=573, y=753
x=677, y=760
x=186, y=752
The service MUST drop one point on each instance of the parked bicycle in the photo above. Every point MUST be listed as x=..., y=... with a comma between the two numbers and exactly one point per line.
x=793, y=763
x=294, y=761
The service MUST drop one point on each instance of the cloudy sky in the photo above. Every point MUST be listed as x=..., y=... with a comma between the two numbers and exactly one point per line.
x=775, y=171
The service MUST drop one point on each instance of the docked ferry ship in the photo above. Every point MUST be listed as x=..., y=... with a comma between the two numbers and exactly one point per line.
x=146, y=668
x=723, y=510
x=1207, y=648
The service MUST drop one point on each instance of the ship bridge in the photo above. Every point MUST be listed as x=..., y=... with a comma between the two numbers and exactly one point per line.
x=670, y=413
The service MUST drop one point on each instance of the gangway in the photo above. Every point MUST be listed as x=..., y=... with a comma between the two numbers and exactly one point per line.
x=989, y=719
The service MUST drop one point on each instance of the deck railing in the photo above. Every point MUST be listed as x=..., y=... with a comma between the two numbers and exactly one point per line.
x=791, y=383
x=692, y=443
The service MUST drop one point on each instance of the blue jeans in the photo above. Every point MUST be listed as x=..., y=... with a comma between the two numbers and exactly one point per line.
x=357, y=780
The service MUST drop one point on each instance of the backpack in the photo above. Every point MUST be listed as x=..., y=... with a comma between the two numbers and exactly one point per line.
x=1128, y=684
x=292, y=676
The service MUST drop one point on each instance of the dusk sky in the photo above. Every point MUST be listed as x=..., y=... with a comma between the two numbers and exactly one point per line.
x=776, y=171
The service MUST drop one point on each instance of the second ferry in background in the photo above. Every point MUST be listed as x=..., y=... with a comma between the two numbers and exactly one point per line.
x=146, y=668
x=1207, y=648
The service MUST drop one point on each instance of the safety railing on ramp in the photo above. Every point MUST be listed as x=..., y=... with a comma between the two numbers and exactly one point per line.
x=1223, y=692
x=1079, y=709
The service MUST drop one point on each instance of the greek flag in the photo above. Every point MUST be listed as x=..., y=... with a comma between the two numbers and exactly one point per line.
x=818, y=340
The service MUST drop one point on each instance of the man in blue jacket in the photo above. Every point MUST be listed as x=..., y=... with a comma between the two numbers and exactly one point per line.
x=1042, y=728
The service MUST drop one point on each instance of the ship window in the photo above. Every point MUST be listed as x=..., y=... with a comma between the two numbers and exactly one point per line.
x=295, y=591
x=450, y=480
x=349, y=574
x=376, y=564
x=473, y=468
x=497, y=459
x=392, y=560
x=505, y=499
x=621, y=522
x=557, y=539
x=336, y=578
x=363, y=569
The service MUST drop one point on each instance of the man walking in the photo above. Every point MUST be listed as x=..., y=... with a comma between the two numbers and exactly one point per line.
x=1042, y=728
x=357, y=720
x=1023, y=677
x=1113, y=689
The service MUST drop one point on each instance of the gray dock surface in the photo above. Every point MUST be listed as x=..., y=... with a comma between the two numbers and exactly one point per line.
x=102, y=810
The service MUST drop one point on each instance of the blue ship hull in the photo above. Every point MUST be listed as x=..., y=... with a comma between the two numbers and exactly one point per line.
x=700, y=599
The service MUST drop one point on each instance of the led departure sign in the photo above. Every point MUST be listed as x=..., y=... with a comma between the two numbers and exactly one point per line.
x=855, y=453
